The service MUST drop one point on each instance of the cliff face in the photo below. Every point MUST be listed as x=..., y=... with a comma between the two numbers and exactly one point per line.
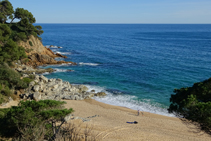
x=36, y=47
x=38, y=54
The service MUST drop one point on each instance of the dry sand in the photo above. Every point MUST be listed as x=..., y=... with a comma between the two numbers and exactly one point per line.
x=111, y=124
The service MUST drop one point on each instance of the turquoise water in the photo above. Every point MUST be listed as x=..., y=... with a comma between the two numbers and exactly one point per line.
x=137, y=65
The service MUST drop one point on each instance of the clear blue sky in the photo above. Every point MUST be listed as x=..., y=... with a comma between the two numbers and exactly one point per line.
x=118, y=11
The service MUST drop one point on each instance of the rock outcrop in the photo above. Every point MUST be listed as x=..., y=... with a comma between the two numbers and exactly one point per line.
x=29, y=70
x=42, y=59
x=56, y=89
x=38, y=54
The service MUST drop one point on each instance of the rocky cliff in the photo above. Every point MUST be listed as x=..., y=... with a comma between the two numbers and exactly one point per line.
x=38, y=54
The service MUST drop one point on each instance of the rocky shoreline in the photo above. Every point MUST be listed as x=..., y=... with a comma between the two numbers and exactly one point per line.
x=42, y=88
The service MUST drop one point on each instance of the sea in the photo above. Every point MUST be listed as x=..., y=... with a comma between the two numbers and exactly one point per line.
x=137, y=65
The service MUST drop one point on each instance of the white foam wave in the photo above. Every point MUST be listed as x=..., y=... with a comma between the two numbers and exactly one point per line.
x=57, y=65
x=65, y=53
x=130, y=102
x=60, y=70
x=88, y=64
x=49, y=46
x=45, y=73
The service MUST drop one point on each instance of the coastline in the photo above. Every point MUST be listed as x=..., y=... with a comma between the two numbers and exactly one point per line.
x=111, y=123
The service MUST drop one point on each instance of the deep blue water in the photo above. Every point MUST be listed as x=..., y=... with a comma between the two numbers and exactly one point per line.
x=137, y=65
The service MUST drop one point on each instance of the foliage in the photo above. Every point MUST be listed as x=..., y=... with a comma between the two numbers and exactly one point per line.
x=21, y=13
x=194, y=103
x=13, y=32
x=30, y=43
x=11, y=51
x=10, y=78
x=5, y=32
x=6, y=11
x=2, y=99
x=31, y=117
x=22, y=29
x=27, y=80
x=28, y=50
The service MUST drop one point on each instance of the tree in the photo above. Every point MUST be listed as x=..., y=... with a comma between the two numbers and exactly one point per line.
x=21, y=14
x=24, y=25
x=32, y=120
x=6, y=11
x=194, y=104
x=5, y=32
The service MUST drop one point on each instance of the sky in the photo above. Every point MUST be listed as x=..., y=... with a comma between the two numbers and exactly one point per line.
x=118, y=11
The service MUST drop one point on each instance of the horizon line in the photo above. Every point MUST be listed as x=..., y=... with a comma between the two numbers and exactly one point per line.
x=122, y=23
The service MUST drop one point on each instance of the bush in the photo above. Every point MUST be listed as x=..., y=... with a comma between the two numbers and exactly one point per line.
x=30, y=43
x=194, y=104
x=10, y=78
x=11, y=51
x=28, y=50
x=2, y=99
x=32, y=76
x=30, y=120
x=1, y=87
x=27, y=80
x=6, y=91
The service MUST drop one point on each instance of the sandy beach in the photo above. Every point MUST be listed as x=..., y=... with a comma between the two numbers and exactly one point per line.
x=111, y=124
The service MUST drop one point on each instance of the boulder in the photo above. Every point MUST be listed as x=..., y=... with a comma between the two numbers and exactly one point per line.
x=10, y=99
x=36, y=88
x=37, y=77
x=25, y=75
x=32, y=83
x=68, y=117
x=37, y=96
x=100, y=94
x=43, y=78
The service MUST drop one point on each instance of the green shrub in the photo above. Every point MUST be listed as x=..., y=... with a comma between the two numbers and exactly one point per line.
x=10, y=78
x=6, y=91
x=2, y=100
x=32, y=76
x=27, y=80
x=32, y=117
x=194, y=104
x=11, y=51
x=28, y=50
x=30, y=43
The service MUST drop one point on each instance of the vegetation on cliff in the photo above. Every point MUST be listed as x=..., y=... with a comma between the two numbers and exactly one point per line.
x=12, y=32
x=10, y=80
x=194, y=104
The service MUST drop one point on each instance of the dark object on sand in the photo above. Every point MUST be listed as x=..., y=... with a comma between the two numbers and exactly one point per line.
x=135, y=122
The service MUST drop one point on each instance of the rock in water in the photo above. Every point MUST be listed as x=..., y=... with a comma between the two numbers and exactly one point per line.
x=100, y=94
